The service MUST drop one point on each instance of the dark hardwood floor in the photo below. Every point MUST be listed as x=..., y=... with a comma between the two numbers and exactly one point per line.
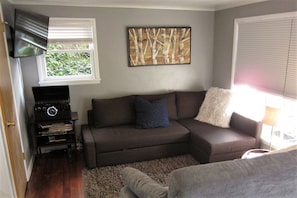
x=57, y=176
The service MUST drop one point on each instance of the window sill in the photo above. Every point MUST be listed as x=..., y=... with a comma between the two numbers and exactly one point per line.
x=67, y=82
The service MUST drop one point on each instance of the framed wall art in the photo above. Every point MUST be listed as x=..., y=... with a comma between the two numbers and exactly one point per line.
x=159, y=46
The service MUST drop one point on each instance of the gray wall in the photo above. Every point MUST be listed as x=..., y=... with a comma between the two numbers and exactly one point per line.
x=210, y=66
x=117, y=78
x=224, y=27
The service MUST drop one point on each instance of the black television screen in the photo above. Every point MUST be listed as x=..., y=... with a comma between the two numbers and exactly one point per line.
x=30, y=34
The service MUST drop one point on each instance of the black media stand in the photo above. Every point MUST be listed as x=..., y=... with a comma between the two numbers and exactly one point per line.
x=56, y=133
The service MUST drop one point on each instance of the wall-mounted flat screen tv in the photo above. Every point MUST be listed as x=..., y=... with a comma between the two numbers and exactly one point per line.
x=30, y=34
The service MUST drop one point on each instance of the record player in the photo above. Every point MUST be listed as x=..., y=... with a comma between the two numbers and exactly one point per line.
x=51, y=103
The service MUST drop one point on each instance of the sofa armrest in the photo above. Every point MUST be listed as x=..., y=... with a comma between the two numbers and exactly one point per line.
x=141, y=184
x=88, y=146
x=90, y=117
x=246, y=126
x=125, y=192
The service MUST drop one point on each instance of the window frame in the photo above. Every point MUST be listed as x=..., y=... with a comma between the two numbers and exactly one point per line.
x=94, y=78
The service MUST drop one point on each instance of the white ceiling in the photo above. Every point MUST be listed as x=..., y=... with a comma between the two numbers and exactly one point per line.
x=210, y=5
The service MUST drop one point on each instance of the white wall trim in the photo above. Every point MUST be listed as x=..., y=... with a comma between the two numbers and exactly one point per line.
x=29, y=168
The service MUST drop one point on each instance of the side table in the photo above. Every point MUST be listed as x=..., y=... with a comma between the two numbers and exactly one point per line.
x=254, y=153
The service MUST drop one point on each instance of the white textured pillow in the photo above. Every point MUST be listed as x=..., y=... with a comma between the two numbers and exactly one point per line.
x=216, y=108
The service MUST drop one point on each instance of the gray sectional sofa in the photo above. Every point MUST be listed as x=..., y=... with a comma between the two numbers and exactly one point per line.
x=272, y=175
x=111, y=136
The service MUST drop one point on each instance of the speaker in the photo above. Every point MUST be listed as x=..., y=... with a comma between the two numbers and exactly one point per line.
x=51, y=103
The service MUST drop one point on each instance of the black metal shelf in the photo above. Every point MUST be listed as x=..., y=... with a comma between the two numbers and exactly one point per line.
x=55, y=133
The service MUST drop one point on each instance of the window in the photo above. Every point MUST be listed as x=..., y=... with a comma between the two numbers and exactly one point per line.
x=71, y=56
x=265, y=73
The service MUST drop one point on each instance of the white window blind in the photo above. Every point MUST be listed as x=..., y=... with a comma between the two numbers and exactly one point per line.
x=70, y=30
x=266, y=54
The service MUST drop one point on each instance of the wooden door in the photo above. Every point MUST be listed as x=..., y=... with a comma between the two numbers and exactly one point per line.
x=10, y=121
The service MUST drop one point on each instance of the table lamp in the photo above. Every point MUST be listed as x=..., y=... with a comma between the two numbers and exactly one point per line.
x=271, y=118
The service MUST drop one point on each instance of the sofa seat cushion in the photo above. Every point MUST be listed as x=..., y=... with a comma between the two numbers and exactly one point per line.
x=127, y=136
x=216, y=140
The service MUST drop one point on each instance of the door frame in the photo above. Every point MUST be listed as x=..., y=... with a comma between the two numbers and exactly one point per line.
x=10, y=120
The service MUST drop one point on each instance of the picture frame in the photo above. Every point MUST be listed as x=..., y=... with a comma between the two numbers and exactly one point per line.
x=149, y=46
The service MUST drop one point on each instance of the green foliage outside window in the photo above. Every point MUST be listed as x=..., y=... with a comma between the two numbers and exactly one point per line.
x=62, y=61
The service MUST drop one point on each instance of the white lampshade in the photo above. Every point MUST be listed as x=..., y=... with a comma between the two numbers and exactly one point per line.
x=271, y=116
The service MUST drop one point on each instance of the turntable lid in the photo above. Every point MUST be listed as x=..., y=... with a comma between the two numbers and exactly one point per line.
x=51, y=93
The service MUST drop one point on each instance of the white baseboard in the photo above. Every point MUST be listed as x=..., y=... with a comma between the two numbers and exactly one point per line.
x=29, y=169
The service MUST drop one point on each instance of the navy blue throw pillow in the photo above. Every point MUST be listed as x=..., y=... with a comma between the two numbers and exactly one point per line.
x=151, y=114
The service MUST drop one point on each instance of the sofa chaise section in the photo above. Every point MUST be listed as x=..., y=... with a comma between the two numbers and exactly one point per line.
x=210, y=143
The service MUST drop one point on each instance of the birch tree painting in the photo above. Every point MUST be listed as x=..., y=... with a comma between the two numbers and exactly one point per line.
x=159, y=46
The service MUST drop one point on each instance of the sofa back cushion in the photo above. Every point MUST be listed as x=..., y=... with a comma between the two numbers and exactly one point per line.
x=112, y=112
x=188, y=103
x=170, y=100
